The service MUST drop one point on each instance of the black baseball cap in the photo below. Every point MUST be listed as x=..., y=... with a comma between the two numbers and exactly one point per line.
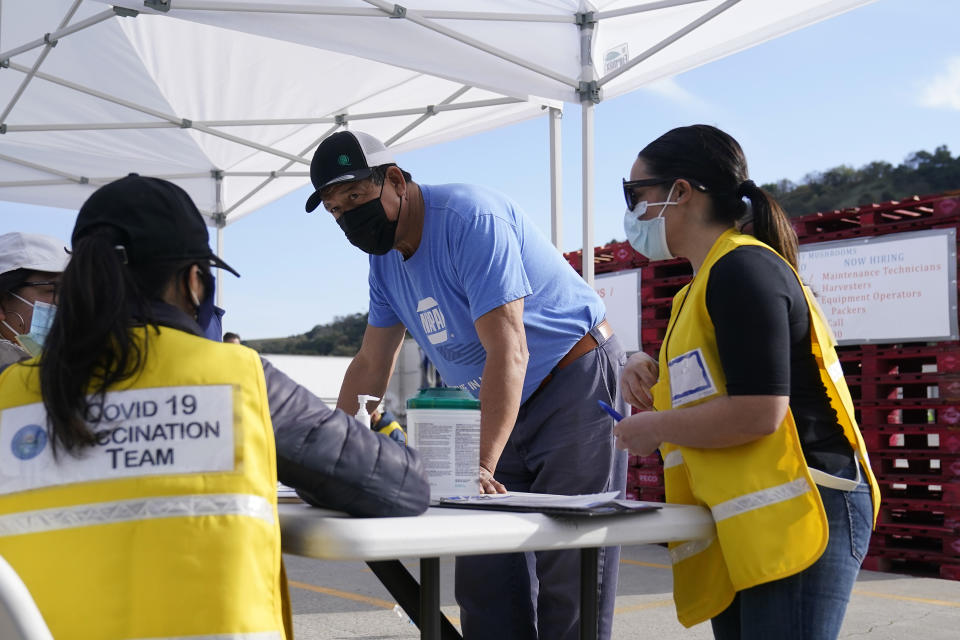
x=157, y=218
x=346, y=156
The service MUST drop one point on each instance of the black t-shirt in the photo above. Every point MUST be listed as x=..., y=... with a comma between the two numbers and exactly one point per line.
x=760, y=315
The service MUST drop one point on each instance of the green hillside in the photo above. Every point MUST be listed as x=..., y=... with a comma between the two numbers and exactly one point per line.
x=922, y=173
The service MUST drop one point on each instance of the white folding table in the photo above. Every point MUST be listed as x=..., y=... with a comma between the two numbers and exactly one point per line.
x=382, y=542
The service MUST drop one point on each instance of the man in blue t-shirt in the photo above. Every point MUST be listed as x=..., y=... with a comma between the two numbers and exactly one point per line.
x=500, y=313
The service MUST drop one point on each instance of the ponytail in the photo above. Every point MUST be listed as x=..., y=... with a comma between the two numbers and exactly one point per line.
x=91, y=346
x=770, y=224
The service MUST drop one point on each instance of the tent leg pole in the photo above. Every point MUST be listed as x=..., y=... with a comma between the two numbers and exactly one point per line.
x=586, y=108
x=556, y=169
x=219, y=300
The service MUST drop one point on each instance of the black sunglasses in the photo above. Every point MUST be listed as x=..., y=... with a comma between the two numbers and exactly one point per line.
x=41, y=283
x=630, y=185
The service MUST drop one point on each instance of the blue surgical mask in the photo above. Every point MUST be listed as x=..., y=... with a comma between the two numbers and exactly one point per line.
x=648, y=237
x=40, y=322
x=208, y=314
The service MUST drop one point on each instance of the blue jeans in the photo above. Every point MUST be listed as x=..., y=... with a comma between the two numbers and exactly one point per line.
x=562, y=443
x=811, y=604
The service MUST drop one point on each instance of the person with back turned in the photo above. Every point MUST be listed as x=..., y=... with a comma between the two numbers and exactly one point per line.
x=139, y=493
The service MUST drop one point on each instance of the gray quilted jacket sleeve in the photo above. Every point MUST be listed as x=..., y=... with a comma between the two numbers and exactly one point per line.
x=334, y=461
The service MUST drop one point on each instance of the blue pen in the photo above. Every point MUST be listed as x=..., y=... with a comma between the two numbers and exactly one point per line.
x=613, y=412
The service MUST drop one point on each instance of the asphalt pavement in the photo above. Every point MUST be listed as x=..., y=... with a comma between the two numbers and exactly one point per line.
x=340, y=600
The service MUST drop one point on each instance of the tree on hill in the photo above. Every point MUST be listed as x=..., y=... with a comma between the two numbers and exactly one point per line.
x=342, y=337
x=921, y=173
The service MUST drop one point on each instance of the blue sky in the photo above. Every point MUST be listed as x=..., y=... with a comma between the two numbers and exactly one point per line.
x=876, y=83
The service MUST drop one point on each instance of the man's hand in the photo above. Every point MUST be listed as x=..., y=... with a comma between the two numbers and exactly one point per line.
x=638, y=377
x=487, y=483
x=504, y=338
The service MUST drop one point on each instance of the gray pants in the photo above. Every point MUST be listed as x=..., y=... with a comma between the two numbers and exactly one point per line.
x=562, y=443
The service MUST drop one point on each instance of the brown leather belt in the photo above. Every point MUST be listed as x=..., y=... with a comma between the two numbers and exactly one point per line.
x=583, y=346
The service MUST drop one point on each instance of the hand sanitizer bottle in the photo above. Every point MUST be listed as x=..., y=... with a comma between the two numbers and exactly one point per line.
x=362, y=414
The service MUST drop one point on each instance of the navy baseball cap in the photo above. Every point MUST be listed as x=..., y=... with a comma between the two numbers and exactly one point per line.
x=158, y=220
x=346, y=156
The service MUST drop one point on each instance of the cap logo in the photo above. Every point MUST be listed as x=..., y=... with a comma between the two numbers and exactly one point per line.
x=343, y=160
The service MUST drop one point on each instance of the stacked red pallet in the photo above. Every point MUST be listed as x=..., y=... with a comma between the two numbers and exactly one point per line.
x=907, y=396
x=908, y=400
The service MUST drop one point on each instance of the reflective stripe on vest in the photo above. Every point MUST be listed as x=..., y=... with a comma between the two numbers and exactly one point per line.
x=130, y=546
x=254, y=635
x=835, y=371
x=757, y=499
x=673, y=459
x=690, y=548
x=140, y=509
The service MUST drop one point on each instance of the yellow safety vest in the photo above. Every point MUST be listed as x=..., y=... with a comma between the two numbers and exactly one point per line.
x=167, y=527
x=770, y=521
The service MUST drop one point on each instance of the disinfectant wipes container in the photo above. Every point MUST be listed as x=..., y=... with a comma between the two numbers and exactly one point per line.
x=443, y=424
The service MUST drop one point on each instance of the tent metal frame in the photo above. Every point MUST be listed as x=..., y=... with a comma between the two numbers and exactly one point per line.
x=587, y=87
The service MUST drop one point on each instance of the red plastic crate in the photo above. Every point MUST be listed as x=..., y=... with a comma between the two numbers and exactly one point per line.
x=918, y=563
x=916, y=538
x=650, y=494
x=646, y=461
x=908, y=411
x=645, y=477
x=950, y=571
x=911, y=438
x=904, y=386
x=650, y=335
x=615, y=256
x=678, y=267
x=878, y=219
x=659, y=294
x=913, y=489
x=923, y=466
x=881, y=360
x=652, y=347
x=936, y=515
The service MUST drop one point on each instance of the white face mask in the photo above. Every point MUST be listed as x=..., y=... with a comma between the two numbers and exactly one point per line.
x=648, y=237
x=40, y=323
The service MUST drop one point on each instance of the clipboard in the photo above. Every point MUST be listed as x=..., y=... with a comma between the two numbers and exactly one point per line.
x=584, y=506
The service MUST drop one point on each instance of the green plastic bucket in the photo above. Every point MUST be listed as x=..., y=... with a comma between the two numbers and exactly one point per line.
x=443, y=424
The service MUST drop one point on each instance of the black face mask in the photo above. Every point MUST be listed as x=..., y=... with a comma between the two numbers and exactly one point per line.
x=368, y=228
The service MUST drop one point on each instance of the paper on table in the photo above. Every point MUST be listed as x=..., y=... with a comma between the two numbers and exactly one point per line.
x=287, y=494
x=593, y=504
x=536, y=500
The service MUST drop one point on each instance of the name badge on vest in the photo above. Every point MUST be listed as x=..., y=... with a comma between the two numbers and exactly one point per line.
x=141, y=432
x=690, y=378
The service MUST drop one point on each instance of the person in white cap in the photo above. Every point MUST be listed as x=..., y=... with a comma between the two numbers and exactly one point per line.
x=30, y=268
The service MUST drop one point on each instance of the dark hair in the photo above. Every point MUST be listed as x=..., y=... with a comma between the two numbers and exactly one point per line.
x=11, y=280
x=379, y=173
x=92, y=343
x=230, y=335
x=714, y=159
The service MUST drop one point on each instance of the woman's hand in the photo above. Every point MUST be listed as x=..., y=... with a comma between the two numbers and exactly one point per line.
x=639, y=375
x=639, y=433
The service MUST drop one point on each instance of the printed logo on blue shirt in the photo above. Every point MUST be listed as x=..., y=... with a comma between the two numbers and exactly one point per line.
x=431, y=318
x=29, y=441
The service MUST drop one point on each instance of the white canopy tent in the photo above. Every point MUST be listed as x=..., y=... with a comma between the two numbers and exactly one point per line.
x=230, y=98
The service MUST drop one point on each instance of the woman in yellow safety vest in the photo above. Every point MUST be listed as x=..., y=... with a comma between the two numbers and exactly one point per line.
x=750, y=410
x=139, y=484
